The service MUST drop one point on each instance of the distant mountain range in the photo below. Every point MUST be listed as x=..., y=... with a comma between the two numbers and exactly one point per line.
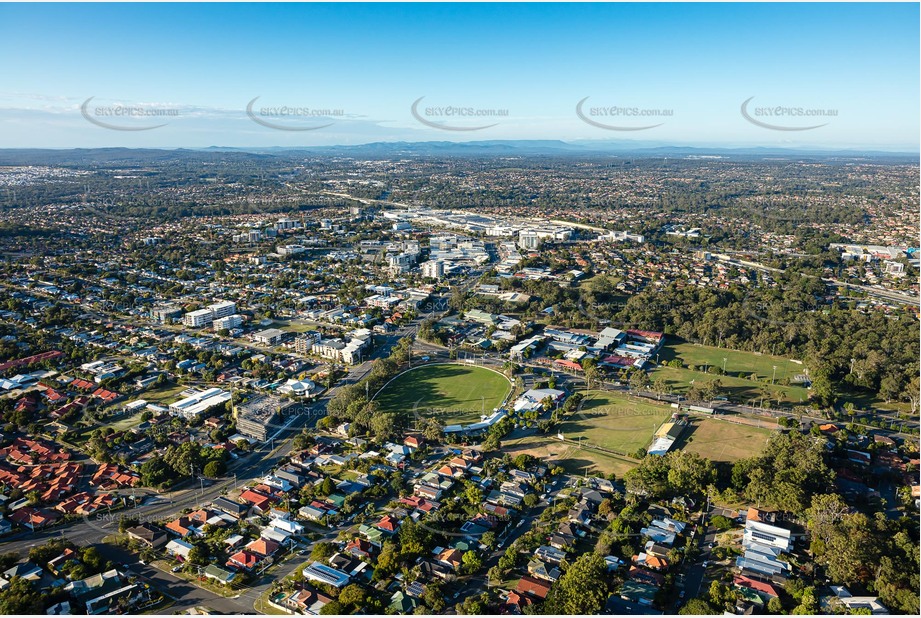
x=485, y=148
x=559, y=147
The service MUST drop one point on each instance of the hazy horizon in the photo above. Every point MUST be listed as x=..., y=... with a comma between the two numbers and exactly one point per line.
x=800, y=76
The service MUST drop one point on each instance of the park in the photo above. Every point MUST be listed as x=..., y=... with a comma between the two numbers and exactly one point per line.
x=452, y=392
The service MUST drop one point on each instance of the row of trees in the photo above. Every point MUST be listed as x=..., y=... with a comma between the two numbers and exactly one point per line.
x=844, y=349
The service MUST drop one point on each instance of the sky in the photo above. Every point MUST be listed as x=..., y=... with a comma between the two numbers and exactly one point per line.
x=823, y=75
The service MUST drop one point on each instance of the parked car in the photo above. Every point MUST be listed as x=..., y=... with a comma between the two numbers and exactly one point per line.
x=176, y=568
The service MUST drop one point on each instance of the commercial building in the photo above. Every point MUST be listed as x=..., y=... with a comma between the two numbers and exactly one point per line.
x=620, y=236
x=229, y=322
x=401, y=262
x=222, y=309
x=248, y=236
x=433, y=269
x=350, y=352
x=270, y=336
x=304, y=343
x=256, y=416
x=196, y=402
x=198, y=318
x=165, y=314
x=528, y=239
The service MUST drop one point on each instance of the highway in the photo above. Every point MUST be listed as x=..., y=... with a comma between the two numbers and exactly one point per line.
x=888, y=295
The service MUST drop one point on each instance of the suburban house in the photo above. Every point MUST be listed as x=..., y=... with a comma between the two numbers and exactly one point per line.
x=536, y=588
x=179, y=549
x=150, y=535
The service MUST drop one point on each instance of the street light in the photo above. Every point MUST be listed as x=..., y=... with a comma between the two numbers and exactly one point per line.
x=775, y=374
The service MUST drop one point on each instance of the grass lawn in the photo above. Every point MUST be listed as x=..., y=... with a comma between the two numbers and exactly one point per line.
x=615, y=421
x=455, y=393
x=738, y=363
x=162, y=395
x=720, y=440
x=736, y=389
x=572, y=458
x=294, y=325
x=124, y=422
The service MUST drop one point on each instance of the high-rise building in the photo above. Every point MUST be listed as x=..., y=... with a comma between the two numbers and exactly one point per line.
x=222, y=309
x=199, y=318
x=433, y=269
x=528, y=239
x=231, y=321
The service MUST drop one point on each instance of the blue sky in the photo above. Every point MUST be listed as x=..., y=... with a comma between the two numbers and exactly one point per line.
x=692, y=64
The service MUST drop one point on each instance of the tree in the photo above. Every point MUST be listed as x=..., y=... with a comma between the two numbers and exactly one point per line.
x=774, y=606
x=689, y=472
x=697, y=607
x=214, y=468
x=328, y=486
x=434, y=597
x=852, y=551
x=472, y=606
x=591, y=373
x=660, y=385
x=471, y=562
x=42, y=554
x=583, y=589
x=473, y=494
x=323, y=551
x=825, y=515
x=415, y=539
x=432, y=430
x=823, y=390
x=604, y=509
x=352, y=595
x=333, y=608
x=786, y=474
x=384, y=425
x=20, y=597
x=197, y=555
x=639, y=380
x=155, y=472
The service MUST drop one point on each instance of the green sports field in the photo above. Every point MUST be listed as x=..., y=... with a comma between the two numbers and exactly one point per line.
x=738, y=363
x=454, y=393
x=615, y=421
x=740, y=366
x=722, y=440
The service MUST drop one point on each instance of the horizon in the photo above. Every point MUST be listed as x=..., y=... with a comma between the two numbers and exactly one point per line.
x=577, y=148
x=804, y=77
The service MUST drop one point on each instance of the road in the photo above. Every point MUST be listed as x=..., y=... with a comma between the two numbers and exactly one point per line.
x=694, y=575
x=476, y=584
x=888, y=295
x=183, y=593
x=252, y=466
